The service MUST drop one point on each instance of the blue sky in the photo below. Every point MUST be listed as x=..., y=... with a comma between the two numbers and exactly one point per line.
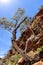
x=7, y=9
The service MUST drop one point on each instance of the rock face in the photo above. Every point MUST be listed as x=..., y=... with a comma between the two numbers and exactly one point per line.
x=35, y=29
x=36, y=40
x=37, y=25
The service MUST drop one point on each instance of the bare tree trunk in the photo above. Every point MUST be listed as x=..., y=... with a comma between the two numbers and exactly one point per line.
x=14, y=35
x=25, y=56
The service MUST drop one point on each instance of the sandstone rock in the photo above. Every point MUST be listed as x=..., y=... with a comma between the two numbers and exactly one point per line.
x=38, y=63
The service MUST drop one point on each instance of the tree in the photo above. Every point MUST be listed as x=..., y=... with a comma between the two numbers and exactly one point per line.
x=19, y=15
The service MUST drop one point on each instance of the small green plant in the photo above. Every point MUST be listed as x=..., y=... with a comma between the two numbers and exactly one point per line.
x=40, y=49
x=16, y=58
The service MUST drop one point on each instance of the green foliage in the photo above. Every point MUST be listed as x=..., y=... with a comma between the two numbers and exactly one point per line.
x=35, y=24
x=18, y=14
x=5, y=24
x=14, y=59
x=40, y=49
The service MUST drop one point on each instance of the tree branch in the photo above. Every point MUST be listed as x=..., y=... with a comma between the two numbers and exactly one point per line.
x=14, y=32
